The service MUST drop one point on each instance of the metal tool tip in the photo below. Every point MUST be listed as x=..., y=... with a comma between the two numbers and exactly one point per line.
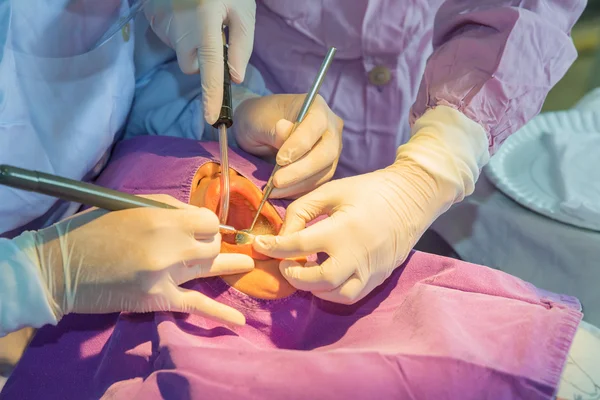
x=227, y=228
x=244, y=237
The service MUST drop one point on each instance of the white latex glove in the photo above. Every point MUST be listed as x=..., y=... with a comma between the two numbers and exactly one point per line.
x=308, y=157
x=375, y=219
x=193, y=29
x=132, y=260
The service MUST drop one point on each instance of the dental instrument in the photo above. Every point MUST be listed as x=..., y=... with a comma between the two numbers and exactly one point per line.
x=79, y=192
x=224, y=122
x=245, y=234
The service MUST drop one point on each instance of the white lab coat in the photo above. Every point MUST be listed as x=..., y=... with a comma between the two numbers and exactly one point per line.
x=61, y=104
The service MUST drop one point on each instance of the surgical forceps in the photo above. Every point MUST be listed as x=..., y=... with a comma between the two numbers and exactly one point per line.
x=224, y=121
x=308, y=101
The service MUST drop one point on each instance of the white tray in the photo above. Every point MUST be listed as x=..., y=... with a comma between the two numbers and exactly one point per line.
x=524, y=153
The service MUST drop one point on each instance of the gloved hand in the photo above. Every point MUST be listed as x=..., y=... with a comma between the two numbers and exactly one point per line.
x=193, y=29
x=375, y=219
x=308, y=157
x=133, y=260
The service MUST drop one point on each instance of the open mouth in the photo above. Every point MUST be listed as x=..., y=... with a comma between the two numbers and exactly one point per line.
x=243, y=203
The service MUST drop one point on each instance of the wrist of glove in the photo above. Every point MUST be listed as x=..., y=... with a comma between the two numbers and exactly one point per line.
x=131, y=260
x=57, y=266
x=445, y=154
x=24, y=297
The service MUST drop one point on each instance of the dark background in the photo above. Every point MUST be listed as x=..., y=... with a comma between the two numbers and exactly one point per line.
x=584, y=74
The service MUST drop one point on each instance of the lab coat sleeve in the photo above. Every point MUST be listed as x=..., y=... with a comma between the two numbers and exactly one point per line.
x=169, y=103
x=496, y=61
x=23, y=296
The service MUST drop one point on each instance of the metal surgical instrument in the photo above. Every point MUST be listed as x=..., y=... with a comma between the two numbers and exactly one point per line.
x=308, y=101
x=224, y=121
x=78, y=192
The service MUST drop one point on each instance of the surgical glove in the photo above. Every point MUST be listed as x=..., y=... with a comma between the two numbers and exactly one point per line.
x=375, y=219
x=308, y=157
x=193, y=29
x=132, y=260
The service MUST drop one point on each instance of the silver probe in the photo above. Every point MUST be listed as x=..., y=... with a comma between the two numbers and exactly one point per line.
x=308, y=101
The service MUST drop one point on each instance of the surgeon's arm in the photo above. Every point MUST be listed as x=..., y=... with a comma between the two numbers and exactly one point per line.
x=495, y=61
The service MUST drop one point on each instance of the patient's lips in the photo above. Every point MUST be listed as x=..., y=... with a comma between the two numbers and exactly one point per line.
x=244, y=200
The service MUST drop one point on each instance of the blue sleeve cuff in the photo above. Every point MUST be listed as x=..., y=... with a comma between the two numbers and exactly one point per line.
x=23, y=295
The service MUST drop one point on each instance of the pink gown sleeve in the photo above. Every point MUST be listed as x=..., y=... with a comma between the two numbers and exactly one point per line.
x=496, y=61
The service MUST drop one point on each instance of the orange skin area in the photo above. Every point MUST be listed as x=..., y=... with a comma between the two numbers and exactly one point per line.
x=265, y=280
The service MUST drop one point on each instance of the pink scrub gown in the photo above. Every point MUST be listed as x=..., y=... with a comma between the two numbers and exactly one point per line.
x=493, y=60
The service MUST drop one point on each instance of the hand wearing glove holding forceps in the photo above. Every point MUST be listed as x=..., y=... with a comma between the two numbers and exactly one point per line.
x=263, y=124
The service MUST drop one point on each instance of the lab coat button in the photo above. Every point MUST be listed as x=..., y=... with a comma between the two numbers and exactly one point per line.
x=125, y=31
x=380, y=76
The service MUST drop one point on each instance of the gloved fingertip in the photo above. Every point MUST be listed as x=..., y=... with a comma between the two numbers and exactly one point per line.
x=277, y=180
x=285, y=267
x=236, y=319
x=290, y=270
x=210, y=115
x=286, y=156
x=283, y=130
x=194, y=66
x=283, y=158
x=284, y=180
x=264, y=242
x=277, y=194
x=236, y=76
x=232, y=319
x=246, y=263
x=188, y=64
